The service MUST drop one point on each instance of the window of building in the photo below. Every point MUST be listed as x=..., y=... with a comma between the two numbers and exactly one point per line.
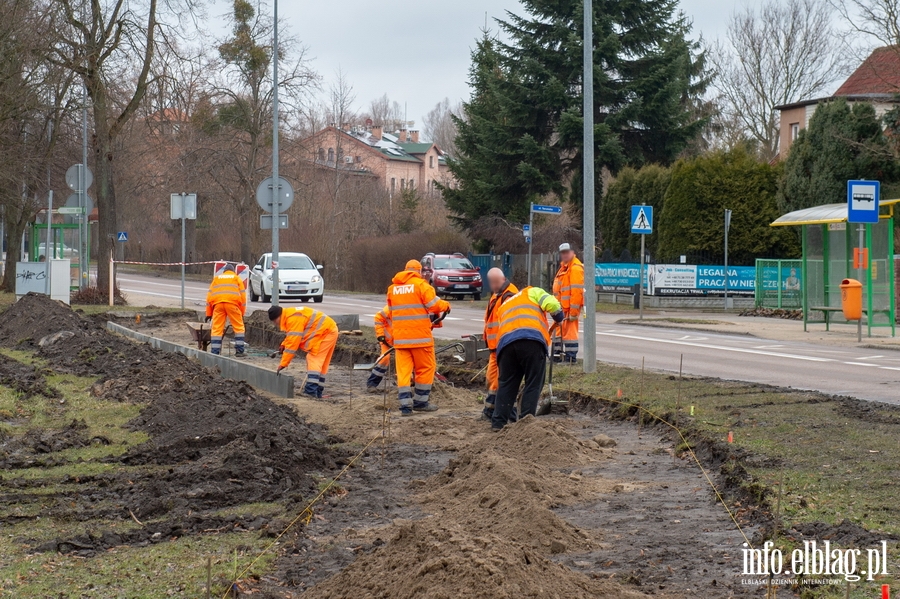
x=330, y=154
x=431, y=162
x=402, y=184
x=412, y=184
x=358, y=159
x=393, y=185
x=322, y=154
x=795, y=131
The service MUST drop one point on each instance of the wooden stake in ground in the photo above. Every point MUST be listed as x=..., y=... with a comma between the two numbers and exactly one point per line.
x=641, y=399
x=208, y=576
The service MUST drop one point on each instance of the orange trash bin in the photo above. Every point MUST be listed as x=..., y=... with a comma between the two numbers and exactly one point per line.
x=851, y=299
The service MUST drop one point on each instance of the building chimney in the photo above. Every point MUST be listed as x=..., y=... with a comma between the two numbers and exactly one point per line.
x=376, y=132
x=415, y=136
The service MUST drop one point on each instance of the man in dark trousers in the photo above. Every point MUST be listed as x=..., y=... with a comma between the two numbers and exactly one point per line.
x=524, y=338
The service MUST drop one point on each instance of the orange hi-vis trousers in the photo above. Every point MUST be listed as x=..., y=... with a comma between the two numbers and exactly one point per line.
x=232, y=312
x=318, y=358
x=567, y=346
x=380, y=369
x=492, y=378
x=418, y=361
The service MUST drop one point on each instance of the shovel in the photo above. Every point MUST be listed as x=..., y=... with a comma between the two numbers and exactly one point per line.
x=545, y=406
x=372, y=365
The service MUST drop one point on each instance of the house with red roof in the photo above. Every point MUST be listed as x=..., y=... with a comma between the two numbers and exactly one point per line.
x=876, y=81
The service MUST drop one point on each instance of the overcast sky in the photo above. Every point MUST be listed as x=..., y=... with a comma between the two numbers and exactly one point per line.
x=416, y=51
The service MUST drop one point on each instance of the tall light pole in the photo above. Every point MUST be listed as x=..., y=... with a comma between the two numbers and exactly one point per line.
x=276, y=188
x=590, y=294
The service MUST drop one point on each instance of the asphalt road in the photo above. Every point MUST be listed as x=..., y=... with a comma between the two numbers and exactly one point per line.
x=857, y=372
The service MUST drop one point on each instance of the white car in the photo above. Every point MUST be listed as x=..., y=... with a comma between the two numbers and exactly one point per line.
x=298, y=277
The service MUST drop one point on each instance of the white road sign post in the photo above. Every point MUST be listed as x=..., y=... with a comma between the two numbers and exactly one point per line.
x=727, y=227
x=183, y=206
x=641, y=224
x=540, y=209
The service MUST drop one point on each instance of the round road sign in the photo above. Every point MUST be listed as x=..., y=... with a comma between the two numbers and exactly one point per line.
x=72, y=177
x=264, y=194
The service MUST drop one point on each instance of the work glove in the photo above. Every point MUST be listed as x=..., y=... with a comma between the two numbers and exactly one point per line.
x=281, y=350
x=278, y=370
x=573, y=315
x=381, y=339
x=447, y=311
x=208, y=319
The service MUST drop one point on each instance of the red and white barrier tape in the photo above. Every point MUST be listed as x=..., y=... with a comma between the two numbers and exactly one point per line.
x=166, y=263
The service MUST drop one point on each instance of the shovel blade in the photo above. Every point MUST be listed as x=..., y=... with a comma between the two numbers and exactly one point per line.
x=364, y=366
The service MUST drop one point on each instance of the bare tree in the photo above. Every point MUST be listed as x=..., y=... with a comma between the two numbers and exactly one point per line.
x=36, y=106
x=111, y=47
x=439, y=126
x=387, y=114
x=877, y=19
x=777, y=53
x=240, y=124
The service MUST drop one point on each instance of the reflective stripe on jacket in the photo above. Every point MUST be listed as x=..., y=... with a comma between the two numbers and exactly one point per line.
x=383, y=325
x=524, y=316
x=226, y=288
x=568, y=286
x=302, y=328
x=412, y=301
x=492, y=315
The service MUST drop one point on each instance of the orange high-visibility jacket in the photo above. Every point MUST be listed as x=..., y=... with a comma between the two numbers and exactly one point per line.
x=524, y=316
x=568, y=286
x=383, y=325
x=411, y=301
x=303, y=328
x=492, y=315
x=226, y=288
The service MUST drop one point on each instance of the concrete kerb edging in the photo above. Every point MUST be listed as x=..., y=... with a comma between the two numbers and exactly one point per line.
x=261, y=378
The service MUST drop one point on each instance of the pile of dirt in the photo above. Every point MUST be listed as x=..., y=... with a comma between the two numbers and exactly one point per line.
x=844, y=535
x=492, y=529
x=444, y=560
x=24, y=379
x=774, y=313
x=34, y=317
x=214, y=443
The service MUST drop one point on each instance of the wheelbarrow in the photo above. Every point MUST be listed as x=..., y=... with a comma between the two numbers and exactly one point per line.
x=200, y=333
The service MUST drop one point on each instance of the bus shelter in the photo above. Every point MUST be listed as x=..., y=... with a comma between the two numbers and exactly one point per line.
x=829, y=242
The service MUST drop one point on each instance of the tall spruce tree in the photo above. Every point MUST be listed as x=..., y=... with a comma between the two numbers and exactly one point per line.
x=648, y=79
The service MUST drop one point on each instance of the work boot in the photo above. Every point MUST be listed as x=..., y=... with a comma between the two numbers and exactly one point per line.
x=424, y=407
x=320, y=391
x=406, y=411
x=371, y=388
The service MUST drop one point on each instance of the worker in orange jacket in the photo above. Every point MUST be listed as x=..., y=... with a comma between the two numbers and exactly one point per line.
x=309, y=331
x=524, y=337
x=226, y=298
x=385, y=338
x=501, y=290
x=568, y=288
x=413, y=306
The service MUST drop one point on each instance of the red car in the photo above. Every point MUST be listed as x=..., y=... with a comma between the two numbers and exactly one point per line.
x=452, y=275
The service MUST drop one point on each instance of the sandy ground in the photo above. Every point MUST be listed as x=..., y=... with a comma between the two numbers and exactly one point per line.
x=601, y=521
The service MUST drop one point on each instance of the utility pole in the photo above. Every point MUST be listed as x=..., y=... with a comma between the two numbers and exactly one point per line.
x=590, y=293
x=276, y=188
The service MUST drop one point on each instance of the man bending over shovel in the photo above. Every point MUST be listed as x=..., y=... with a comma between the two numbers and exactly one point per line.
x=310, y=331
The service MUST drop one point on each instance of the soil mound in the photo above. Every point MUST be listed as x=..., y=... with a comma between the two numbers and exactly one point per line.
x=34, y=317
x=540, y=441
x=214, y=443
x=430, y=560
x=24, y=379
x=843, y=535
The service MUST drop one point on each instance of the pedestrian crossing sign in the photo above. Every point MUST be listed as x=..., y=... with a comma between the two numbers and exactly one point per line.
x=642, y=220
x=122, y=236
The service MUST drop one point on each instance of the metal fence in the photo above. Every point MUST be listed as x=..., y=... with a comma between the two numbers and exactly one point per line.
x=515, y=266
x=779, y=284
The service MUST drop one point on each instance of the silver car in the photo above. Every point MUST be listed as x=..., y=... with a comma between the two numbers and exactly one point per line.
x=298, y=277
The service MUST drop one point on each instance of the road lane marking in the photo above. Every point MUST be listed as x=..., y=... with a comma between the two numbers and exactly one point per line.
x=861, y=364
x=720, y=347
x=178, y=296
x=870, y=358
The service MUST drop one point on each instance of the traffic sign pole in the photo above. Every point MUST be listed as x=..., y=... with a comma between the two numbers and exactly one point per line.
x=182, y=249
x=590, y=304
x=641, y=279
x=531, y=230
x=276, y=188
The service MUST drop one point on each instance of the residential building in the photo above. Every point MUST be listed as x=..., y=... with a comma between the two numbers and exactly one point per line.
x=876, y=81
x=399, y=160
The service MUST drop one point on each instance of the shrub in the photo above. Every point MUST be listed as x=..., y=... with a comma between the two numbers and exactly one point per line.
x=92, y=296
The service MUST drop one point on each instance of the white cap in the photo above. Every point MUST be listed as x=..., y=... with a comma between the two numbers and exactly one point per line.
x=565, y=247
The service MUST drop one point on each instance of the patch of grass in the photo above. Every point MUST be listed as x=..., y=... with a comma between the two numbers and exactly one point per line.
x=675, y=320
x=835, y=460
x=165, y=569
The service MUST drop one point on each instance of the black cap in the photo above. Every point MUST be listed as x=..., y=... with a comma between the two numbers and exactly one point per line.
x=274, y=312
